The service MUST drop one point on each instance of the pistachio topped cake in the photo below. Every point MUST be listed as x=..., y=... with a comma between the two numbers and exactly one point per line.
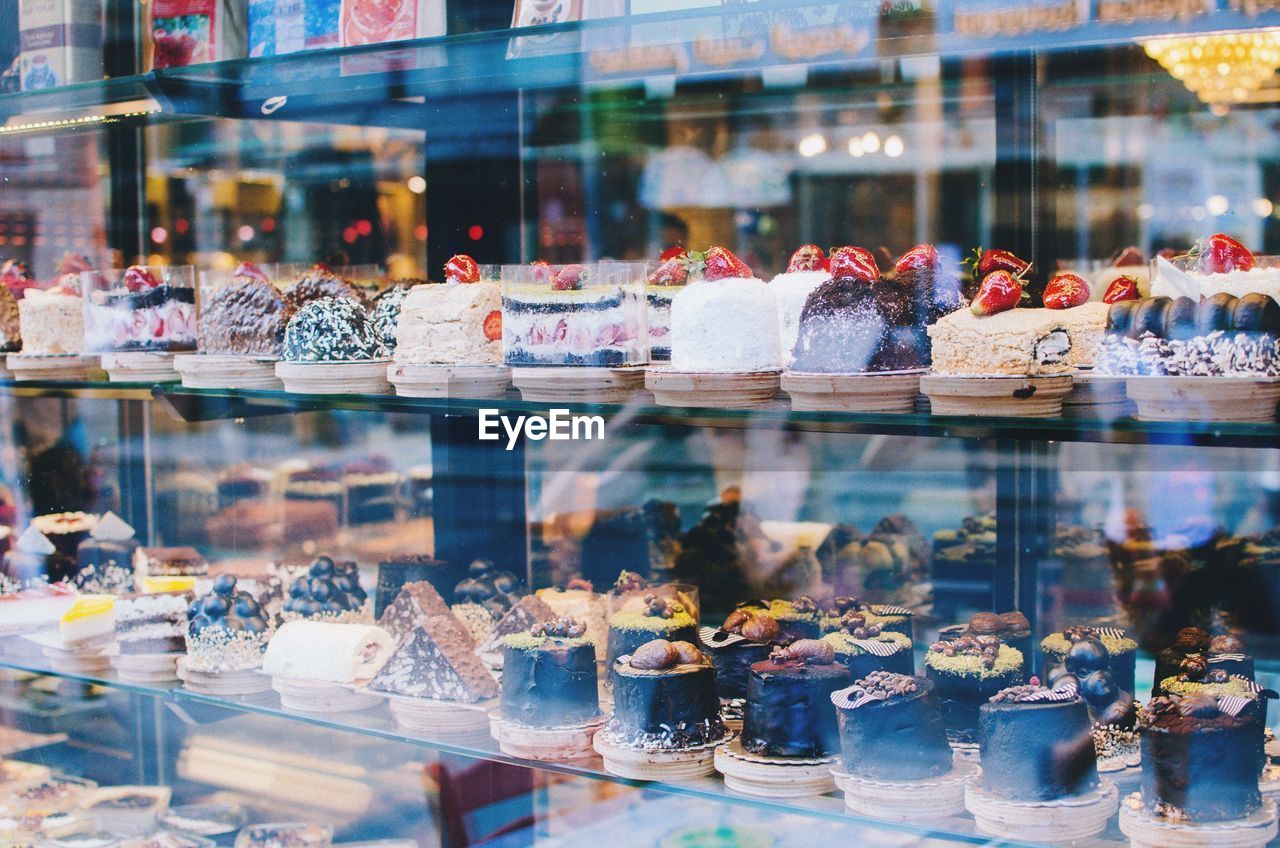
x=664, y=697
x=1121, y=650
x=968, y=670
x=549, y=676
x=746, y=638
x=661, y=618
x=863, y=646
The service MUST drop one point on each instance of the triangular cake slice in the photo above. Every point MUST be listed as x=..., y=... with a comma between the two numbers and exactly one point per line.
x=525, y=613
x=417, y=604
x=436, y=662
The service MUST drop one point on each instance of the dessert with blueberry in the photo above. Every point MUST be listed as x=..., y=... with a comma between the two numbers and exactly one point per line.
x=226, y=629
x=486, y=585
x=1224, y=652
x=664, y=697
x=661, y=618
x=789, y=711
x=1119, y=652
x=747, y=637
x=246, y=317
x=549, y=676
x=967, y=670
x=863, y=646
x=329, y=591
x=1036, y=744
x=144, y=309
x=891, y=728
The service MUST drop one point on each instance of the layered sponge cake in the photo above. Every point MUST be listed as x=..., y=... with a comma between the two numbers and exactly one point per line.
x=450, y=324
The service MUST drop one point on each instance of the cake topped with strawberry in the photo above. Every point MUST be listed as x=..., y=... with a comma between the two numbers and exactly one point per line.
x=725, y=320
x=805, y=272
x=457, y=323
x=142, y=308
x=577, y=314
x=1216, y=265
x=664, y=281
x=931, y=286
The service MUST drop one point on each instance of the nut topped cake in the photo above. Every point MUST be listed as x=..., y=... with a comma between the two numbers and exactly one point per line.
x=746, y=638
x=661, y=618
x=331, y=329
x=1036, y=744
x=968, y=670
x=457, y=323
x=789, y=711
x=864, y=647
x=1224, y=652
x=664, y=697
x=246, y=317
x=549, y=676
x=523, y=615
x=891, y=728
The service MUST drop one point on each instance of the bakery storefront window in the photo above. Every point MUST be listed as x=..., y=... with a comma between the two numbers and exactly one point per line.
x=663, y=424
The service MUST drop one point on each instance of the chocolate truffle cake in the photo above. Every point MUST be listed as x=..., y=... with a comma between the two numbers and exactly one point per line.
x=1078, y=643
x=549, y=676
x=1036, y=744
x=331, y=329
x=799, y=619
x=523, y=615
x=435, y=661
x=1223, y=653
x=789, y=711
x=246, y=317
x=968, y=670
x=1011, y=628
x=851, y=326
x=664, y=697
x=1202, y=756
x=863, y=647
x=891, y=728
x=746, y=638
x=329, y=591
x=320, y=282
x=662, y=618
x=885, y=616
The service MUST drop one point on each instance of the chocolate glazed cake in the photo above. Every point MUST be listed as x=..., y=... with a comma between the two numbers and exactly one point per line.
x=664, y=697
x=1202, y=756
x=863, y=647
x=246, y=317
x=746, y=638
x=1223, y=653
x=853, y=326
x=891, y=728
x=967, y=671
x=662, y=618
x=1036, y=744
x=789, y=711
x=549, y=676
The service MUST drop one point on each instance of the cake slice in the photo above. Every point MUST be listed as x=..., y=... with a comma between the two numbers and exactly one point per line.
x=417, y=604
x=153, y=624
x=91, y=618
x=436, y=662
x=525, y=613
x=327, y=652
x=1016, y=343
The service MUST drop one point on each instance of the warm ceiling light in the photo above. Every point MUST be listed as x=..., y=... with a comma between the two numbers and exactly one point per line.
x=894, y=147
x=1224, y=68
x=812, y=145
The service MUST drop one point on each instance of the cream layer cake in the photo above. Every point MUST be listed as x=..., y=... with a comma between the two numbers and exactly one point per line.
x=574, y=316
x=450, y=324
x=1019, y=342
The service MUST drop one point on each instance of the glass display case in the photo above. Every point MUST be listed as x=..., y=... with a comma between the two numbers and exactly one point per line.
x=354, y=489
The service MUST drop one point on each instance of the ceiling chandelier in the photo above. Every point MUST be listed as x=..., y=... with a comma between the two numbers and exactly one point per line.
x=1222, y=68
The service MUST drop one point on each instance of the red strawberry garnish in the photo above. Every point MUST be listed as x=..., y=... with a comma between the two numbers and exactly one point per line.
x=1123, y=287
x=721, y=264
x=1221, y=253
x=919, y=258
x=1064, y=291
x=674, y=271
x=998, y=260
x=250, y=271
x=853, y=263
x=1000, y=291
x=542, y=272
x=493, y=325
x=1129, y=256
x=139, y=278
x=671, y=253
x=808, y=257
x=462, y=269
x=570, y=278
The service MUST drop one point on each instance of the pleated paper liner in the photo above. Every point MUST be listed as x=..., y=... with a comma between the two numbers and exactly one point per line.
x=226, y=371
x=335, y=378
x=1023, y=397
x=906, y=800
x=1146, y=830
x=1056, y=822
x=146, y=668
x=225, y=684
x=1097, y=396
x=544, y=743
x=87, y=660
x=445, y=381
x=311, y=696
x=884, y=392
x=140, y=366
x=574, y=384
x=53, y=366
x=773, y=777
x=1239, y=399
x=647, y=764
x=712, y=389
x=439, y=718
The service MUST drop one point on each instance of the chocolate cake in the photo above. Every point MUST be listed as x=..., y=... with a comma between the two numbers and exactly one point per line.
x=416, y=604
x=320, y=282
x=661, y=618
x=1223, y=653
x=799, y=619
x=523, y=615
x=246, y=317
x=1011, y=628
x=641, y=539
x=891, y=728
x=789, y=711
x=385, y=311
x=549, y=676
x=1036, y=744
x=181, y=561
x=884, y=616
x=863, y=647
x=435, y=662
x=372, y=492
x=1202, y=756
x=153, y=624
x=10, y=333
x=746, y=638
x=968, y=670
x=329, y=591
x=331, y=329
x=394, y=573
x=664, y=697
x=853, y=326
x=1076, y=648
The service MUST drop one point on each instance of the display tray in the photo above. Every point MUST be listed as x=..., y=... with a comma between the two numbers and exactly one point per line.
x=56, y=366
x=421, y=715
x=544, y=743
x=227, y=684
x=334, y=378
x=218, y=371
x=708, y=389
x=885, y=393
x=554, y=384
x=310, y=696
x=1240, y=399
x=1029, y=397
x=444, y=381
x=146, y=668
x=1098, y=396
x=650, y=764
x=906, y=800
x=1042, y=822
x=141, y=366
x=1149, y=831
x=773, y=777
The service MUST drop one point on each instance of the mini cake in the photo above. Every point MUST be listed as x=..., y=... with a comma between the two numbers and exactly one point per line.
x=549, y=676
x=16, y=277
x=789, y=711
x=51, y=321
x=180, y=561
x=863, y=647
x=33, y=557
x=968, y=670
x=488, y=586
x=111, y=545
x=799, y=619
x=725, y=320
x=747, y=637
x=435, y=662
x=394, y=573
x=1011, y=628
x=317, y=283
x=246, y=317
x=663, y=284
x=145, y=310
x=522, y=616
x=1201, y=756
x=226, y=630
x=662, y=618
x=806, y=270
x=1223, y=653
x=331, y=330
x=891, y=728
x=372, y=490
x=316, y=484
x=91, y=619
x=929, y=284
x=579, y=602
x=153, y=624
x=66, y=530
x=457, y=323
x=886, y=617
x=1036, y=744
x=329, y=591
x=10, y=322
x=569, y=318
x=417, y=604
x=1121, y=651
x=384, y=311
x=664, y=697
x=1216, y=265
x=1197, y=675
x=327, y=652
x=642, y=540
x=1017, y=342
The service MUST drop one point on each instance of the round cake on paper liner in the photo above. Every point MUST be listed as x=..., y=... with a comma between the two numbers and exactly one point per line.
x=246, y=317
x=331, y=329
x=789, y=711
x=725, y=320
x=1036, y=744
x=549, y=676
x=891, y=728
x=664, y=697
x=385, y=310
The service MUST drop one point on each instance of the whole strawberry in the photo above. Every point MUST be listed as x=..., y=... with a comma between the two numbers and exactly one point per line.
x=570, y=278
x=853, y=263
x=808, y=257
x=249, y=271
x=919, y=258
x=1123, y=287
x=1000, y=291
x=720, y=264
x=673, y=271
x=1064, y=291
x=671, y=253
x=139, y=278
x=541, y=271
x=986, y=261
x=1220, y=254
x=462, y=269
